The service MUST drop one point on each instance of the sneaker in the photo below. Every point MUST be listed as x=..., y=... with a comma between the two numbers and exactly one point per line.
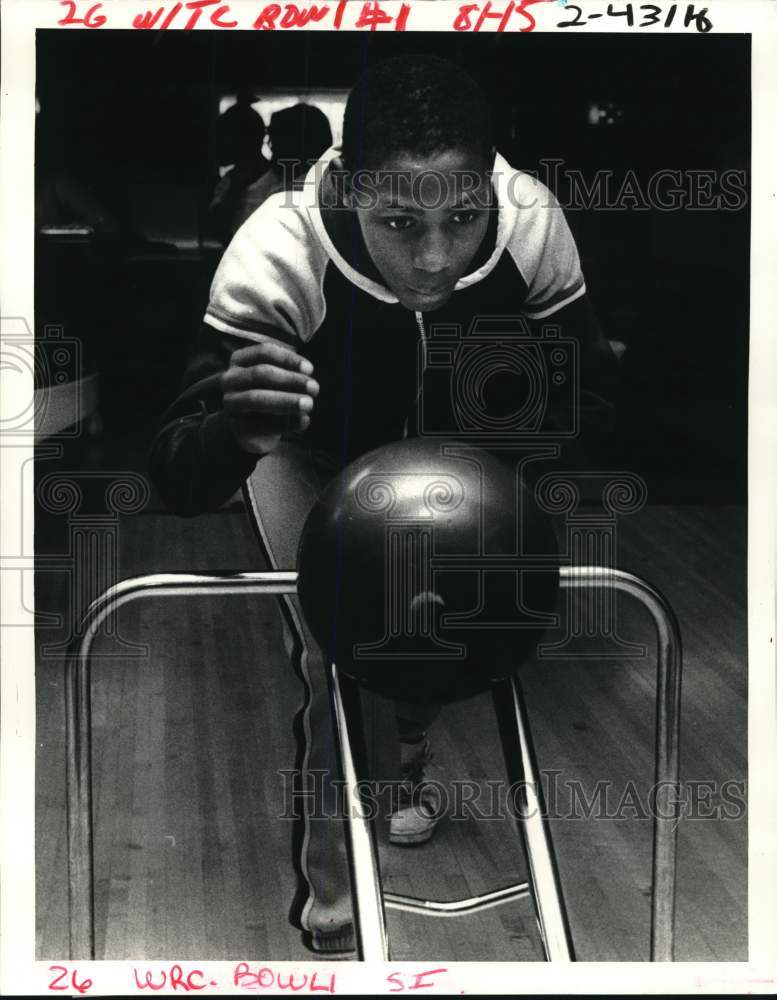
x=419, y=798
x=335, y=944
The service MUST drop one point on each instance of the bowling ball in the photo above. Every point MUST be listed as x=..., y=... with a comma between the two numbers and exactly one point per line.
x=426, y=570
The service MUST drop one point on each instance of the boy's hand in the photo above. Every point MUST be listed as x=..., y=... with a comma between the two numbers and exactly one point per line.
x=267, y=391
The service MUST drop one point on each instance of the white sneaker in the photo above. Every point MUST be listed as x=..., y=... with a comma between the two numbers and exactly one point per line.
x=334, y=944
x=420, y=797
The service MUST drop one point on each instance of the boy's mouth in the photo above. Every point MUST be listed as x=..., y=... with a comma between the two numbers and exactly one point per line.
x=431, y=291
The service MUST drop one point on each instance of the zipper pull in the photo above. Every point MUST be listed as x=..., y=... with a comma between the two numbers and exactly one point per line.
x=419, y=318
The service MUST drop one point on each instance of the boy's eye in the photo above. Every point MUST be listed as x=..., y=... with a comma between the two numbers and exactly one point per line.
x=399, y=223
x=464, y=218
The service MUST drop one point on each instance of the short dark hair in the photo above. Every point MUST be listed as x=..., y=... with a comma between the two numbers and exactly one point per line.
x=239, y=132
x=301, y=132
x=419, y=104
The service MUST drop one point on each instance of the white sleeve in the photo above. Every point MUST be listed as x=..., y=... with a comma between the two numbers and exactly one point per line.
x=270, y=277
x=545, y=253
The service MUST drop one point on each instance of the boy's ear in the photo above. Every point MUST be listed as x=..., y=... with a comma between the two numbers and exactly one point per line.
x=341, y=179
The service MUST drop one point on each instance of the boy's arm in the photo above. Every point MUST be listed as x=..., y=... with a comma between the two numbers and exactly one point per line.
x=245, y=385
x=238, y=399
x=195, y=461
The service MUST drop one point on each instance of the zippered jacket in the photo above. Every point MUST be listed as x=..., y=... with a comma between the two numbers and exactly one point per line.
x=514, y=357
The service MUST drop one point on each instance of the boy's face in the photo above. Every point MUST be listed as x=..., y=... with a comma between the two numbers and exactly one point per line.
x=423, y=221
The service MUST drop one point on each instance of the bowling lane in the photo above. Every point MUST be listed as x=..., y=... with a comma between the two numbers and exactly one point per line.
x=194, y=860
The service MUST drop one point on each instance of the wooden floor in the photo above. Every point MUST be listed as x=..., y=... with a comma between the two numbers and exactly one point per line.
x=193, y=861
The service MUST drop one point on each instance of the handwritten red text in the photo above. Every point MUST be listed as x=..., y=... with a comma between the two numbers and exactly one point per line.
x=264, y=978
x=89, y=18
x=68, y=984
x=192, y=11
x=472, y=16
x=174, y=978
x=417, y=980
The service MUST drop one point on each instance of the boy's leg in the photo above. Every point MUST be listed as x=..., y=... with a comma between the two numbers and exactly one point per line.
x=419, y=804
x=282, y=491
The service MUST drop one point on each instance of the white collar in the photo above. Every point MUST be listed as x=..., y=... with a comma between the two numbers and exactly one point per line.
x=311, y=200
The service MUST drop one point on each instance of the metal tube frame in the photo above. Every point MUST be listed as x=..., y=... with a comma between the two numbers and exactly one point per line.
x=531, y=821
x=365, y=873
x=667, y=745
x=361, y=848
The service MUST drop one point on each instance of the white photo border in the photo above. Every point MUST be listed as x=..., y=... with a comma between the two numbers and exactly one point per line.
x=20, y=973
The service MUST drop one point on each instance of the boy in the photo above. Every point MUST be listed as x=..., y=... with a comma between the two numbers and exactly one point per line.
x=309, y=356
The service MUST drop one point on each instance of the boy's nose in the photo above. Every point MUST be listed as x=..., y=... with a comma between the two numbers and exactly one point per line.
x=432, y=254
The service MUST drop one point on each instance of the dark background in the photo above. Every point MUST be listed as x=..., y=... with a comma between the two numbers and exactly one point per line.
x=132, y=115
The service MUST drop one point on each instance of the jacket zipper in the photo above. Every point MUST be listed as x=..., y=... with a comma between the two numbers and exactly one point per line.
x=419, y=318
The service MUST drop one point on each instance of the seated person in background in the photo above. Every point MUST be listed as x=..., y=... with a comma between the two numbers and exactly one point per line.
x=298, y=135
x=239, y=137
x=309, y=357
